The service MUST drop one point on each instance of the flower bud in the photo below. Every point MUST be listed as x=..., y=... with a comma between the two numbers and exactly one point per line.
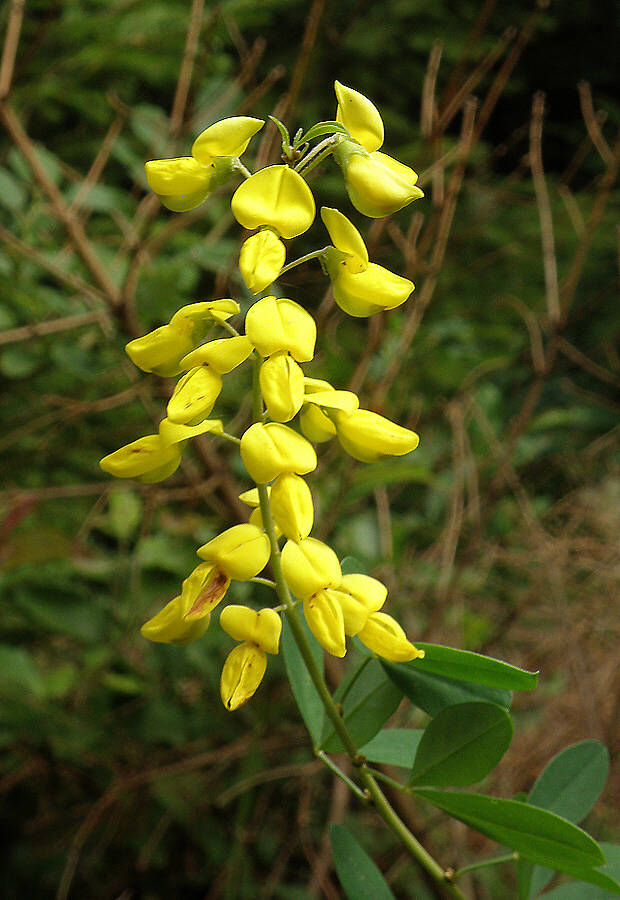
x=359, y=116
x=261, y=258
x=273, y=324
x=383, y=635
x=291, y=505
x=262, y=628
x=241, y=552
x=269, y=450
x=282, y=386
x=325, y=621
x=169, y=626
x=359, y=596
x=275, y=196
x=229, y=137
x=242, y=673
x=149, y=459
x=222, y=355
x=367, y=436
x=309, y=566
x=194, y=396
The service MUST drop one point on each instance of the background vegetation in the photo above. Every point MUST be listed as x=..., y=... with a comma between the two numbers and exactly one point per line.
x=121, y=774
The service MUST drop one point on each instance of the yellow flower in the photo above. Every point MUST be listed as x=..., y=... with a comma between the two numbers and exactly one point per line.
x=172, y=433
x=360, y=288
x=324, y=616
x=149, y=459
x=276, y=196
x=242, y=674
x=359, y=596
x=262, y=628
x=291, y=505
x=222, y=355
x=262, y=256
x=194, y=396
x=359, y=116
x=276, y=323
x=282, y=386
x=241, y=552
x=367, y=436
x=377, y=185
x=170, y=626
x=184, y=182
x=203, y=589
x=269, y=450
x=383, y=635
x=315, y=424
x=309, y=566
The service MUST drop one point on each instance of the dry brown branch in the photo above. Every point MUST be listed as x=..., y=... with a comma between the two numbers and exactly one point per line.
x=593, y=122
x=184, y=79
x=544, y=209
x=94, y=173
x=52, y=326
x=457, y=76
x=533, y=326
x=588, y=364
x=428, y=106
x=11, y=42
x=572, y=207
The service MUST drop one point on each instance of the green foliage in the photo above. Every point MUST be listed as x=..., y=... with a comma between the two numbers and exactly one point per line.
x=358, y=874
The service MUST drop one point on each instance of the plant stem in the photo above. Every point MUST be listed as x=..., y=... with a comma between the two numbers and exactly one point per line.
x=496, y=861
x=337, y=771
x=241, y=168
x=316, y=155
x=373, y=791
x=303, y=259
x=381, y=776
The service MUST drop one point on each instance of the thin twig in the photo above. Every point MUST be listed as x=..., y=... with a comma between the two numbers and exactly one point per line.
x=52, y=326
x=428, y=108
x=592, y=122
x=11, y=42
x=187, y=65
x=544, y=209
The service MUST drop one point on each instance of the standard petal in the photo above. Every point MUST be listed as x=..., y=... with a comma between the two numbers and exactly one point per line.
x=346, y=238
x=275, y=196
x=269, y=450
x=241, y=551
x=359, y=116
x=229, y=137
x=309, y=566
x=276, y=323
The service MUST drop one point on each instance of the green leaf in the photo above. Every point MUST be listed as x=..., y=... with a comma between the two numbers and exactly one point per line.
x=359, y=876
x=368, y=698
x=463, y=665
x=393, y=747
x=569, y=786
x=462, y=744
x=581, y=891
x=535, y=834
x=286, y=138
x=19, y=673
x=432, y=693
x=124, y=512
x=305, y=693
x=12, y=193
x=321, y=128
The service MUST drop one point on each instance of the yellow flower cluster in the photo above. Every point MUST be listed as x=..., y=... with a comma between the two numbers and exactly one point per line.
x=280, y=336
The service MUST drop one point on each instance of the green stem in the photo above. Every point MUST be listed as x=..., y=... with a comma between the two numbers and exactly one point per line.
x=266, y=581
x=229, y=328
x=230, y=437
x=337, y=771
x=316, y=155
x=381, y=776
x=373, y=791
x=496, y=861
x=302, y=259
x=238, y=165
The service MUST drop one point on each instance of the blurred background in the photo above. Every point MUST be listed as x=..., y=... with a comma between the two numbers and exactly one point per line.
x=121, y=774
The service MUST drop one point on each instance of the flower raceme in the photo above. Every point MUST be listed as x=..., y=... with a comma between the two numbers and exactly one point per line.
x=184, y=183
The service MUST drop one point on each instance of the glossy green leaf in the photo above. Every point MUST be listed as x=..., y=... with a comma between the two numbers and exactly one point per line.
x=393, y=747
x=368, y=699
x=432, y=693
x=581, y=891
x=359, y=876
x=535, y=834
x=463, y=665
x=569, y=786
x=306, y=696
x=462, y=744
x=320, y=129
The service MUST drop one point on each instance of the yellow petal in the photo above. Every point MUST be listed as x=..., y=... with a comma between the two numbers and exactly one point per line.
x=194, y=396
x=315, y=425
x=171, y=433
x=275, y=196
x=324, y=617
x=229, y=137
x=241, y=551
x=202, y=590
x=282, y=386
x=242, y=673
x=346, y=238
x=148, y=459
x=274, y=324
x=359, y=596
x=345, y=401
x=269, y=450
x=252, y=497
x=183, y=175
x=379, y=185
x=243, y=624
x=160, y=351
x=359, y=116
x=369, y=292
x=262, y=256
x=367, y=436
x=383, y=635
x=292, y=507
x=170, y=627
x=206, y=311
x=309, y=566
x=222, y=355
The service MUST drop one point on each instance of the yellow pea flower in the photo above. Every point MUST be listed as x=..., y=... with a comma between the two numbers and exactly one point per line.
x=262, y=628
x=346, y=238
x=282, y=386
x=149, y=459
x=292, y=507
x=269, y=450
x=207, y=310
x=241, y=552
x=276, y=323
x=359, y=596
x=377, y=185
x=383, y=635
x=309, y=566
x=275, y=196
x=367, y=436
x=242, y=674
x=222, y=355
x=170, y=626
x=194, y=396
x=359, y=116
x=261, y=258
x=184, y=183
x=325, y=620
x=203, y=589
x=315, y=424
